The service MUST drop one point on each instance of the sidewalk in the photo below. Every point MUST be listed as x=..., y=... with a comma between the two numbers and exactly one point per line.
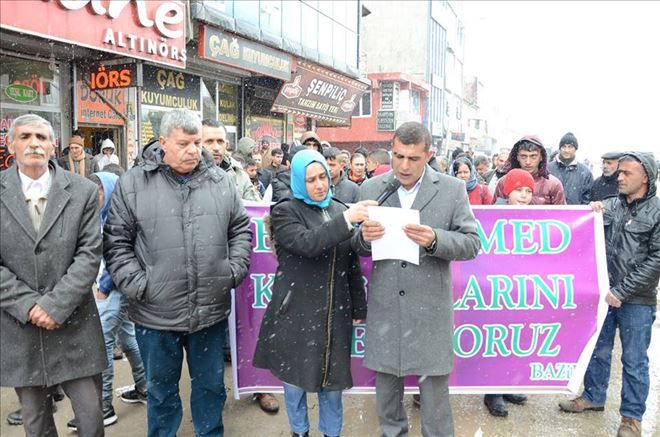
x=540, y=417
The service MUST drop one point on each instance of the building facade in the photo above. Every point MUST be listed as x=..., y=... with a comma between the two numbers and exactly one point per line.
x=422, y=40
x=268, y=69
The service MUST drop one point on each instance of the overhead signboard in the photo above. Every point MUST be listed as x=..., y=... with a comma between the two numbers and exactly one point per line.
x=94, y=109
x=386, y=121
x=170, y=89
x=154, y=30
x=106, y=77
x=319, y=93
x=225, y=48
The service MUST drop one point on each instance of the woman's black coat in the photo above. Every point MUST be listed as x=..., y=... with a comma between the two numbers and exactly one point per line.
x=305, y=337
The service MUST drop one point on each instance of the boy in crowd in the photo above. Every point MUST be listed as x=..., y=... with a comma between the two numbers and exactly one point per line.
x=518, y=190
x=251, y=169
x=112, y=307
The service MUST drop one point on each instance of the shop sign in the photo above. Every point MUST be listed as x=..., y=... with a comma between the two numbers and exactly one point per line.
x=170, y=88
x=260, y=127
x=321, y=94
x=218, y=46
x=153, y=30
x=227, y=104
x=386, y=121
x=387, y=95
x=107, y=77
x=21, y=93
x=92, y=109
x=6, y=158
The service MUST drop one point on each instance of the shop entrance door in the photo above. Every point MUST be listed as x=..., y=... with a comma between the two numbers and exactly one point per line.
x=94, y=136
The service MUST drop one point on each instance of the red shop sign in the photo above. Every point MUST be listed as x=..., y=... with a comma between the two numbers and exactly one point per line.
x=153, y=30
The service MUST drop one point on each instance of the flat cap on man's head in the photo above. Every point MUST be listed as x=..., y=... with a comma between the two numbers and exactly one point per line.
x=611, y=155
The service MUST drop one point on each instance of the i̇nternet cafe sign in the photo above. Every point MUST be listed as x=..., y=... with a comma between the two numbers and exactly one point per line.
x=321, y=94
x=153, y=30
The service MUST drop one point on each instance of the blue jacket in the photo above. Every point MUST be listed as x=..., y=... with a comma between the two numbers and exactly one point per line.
x=108, y=180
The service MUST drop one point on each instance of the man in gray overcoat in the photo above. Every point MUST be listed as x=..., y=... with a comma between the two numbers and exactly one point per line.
x=410, y=307
x=50, y=252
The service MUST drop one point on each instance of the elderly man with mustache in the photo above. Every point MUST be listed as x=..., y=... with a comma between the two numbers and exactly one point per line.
x=50, y=252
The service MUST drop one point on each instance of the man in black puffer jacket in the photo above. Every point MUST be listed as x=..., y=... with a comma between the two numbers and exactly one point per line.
x=632, y=239
x=176, y=241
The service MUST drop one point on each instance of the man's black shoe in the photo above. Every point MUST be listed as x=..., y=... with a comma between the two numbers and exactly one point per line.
x=109, y=417
x=16, y=417
x=515, y=399
x=495, y=405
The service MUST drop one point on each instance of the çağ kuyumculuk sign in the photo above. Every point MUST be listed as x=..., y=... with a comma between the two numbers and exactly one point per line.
x=170, y=88
x=218, y=46
x=319, y=93
x=152, y=30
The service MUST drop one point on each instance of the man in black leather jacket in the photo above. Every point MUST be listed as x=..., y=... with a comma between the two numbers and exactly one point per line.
x=632, y=238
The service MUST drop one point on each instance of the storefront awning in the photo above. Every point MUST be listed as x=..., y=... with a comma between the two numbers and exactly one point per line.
x=321, y=94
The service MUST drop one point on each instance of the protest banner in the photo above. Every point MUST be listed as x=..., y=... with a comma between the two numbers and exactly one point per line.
x=527, y=310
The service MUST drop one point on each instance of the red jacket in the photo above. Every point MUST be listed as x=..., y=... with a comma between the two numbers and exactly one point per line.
x=480, y=196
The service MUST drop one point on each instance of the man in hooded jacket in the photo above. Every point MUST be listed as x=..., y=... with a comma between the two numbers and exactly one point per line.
x=530, y=155
x=632, y=242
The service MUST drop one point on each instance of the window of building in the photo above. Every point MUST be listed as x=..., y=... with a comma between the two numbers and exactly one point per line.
x=415, y=99
x=291, y=21
x=28, y=87
x=247, y=10
x=310, y=27
x=224, y=6
x=209, y=108
x=363, y=108
x=270, y=16
x=339, y=45
x=325, y=36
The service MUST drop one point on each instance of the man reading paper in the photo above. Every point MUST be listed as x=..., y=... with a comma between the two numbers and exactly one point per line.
x=410, y=306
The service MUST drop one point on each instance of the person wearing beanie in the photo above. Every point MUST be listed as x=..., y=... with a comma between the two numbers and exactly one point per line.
x=607, y=185
x=575, y=177
x=77, y=160
x=529, y=154
x=518, y=187
x=107, y=155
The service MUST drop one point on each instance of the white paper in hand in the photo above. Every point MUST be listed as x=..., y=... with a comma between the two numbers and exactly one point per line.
x=394, y=244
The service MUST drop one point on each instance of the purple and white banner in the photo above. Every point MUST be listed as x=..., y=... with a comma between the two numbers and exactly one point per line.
x=527, y=310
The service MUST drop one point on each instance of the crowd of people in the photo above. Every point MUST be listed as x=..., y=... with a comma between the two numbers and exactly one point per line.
x=92, y=256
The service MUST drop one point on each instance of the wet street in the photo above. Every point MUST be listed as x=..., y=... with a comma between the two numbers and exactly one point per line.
x=539, y=417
